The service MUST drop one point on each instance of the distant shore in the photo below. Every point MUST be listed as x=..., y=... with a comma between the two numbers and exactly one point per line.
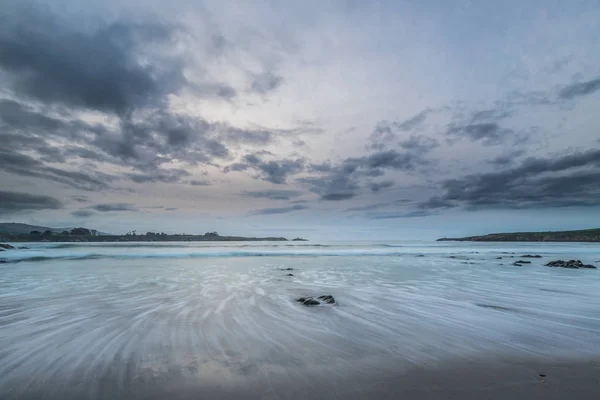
x=135, y=238
x=585, y=235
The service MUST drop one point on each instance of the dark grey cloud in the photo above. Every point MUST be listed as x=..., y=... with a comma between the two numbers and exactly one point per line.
x=377, y=186
x=338, y=196
x=109, y=207
x=390, y=159
x=165, y=176
x=246, y=136
x=109, y=68
x=13, y=202
x=274, y=171
x=266, y=82
x=143, y=143
x=195, y=182
x=279, y=210
x=482, y=126
x=386, y=133
x=413, y=122
x=272, y=194
x=20, y=164
x=488, y=133
x=82, y=213
x=579, y=89
x=343, y=181
x=80, y=198
x=562, y=181
x=226, y=92
x=419, y=143
x=332, y=187
x=396, y=215
x=368, y=207
x=507, y=159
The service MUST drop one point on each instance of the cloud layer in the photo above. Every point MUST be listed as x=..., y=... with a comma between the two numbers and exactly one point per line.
x=166, y=116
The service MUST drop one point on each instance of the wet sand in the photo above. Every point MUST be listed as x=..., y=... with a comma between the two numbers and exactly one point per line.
x=499, y=379
x=478, y=380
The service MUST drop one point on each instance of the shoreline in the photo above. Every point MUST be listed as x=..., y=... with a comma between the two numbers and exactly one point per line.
x=494, y=379
x=515, y=378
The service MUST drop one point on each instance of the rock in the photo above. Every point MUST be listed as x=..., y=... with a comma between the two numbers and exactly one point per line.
x=523, y=262
x=23, y=248
x=308, y=301
x=290, y=274
x=516, y=264
x=572, y=264
x=498, y=258
x=327, y=299
x=2, y=261
x=286, y=269
x=311, y=301
x=6, y=246
x=531, y=256
x=421, y=255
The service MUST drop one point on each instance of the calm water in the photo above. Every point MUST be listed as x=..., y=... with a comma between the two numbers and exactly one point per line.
x=118, y=320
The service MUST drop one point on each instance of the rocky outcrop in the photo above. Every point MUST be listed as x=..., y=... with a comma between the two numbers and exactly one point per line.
x=531, y=256
x=315, y=301
x=5, y=246
x=572, y=264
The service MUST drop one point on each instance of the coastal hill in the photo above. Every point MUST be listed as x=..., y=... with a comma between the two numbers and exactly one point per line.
x=15, y=232
x=585, y=235
x=17, y=228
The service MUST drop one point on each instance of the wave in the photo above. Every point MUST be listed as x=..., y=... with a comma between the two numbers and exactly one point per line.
x=210, y=254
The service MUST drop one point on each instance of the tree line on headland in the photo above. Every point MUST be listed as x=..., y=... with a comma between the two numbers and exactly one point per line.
x=585, y=235
x=91, y=235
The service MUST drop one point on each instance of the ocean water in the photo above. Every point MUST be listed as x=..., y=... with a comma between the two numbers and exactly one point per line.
x=122, y=320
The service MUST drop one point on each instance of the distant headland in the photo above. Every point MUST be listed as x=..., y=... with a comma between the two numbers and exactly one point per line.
x=585, y=235
x=16, y=232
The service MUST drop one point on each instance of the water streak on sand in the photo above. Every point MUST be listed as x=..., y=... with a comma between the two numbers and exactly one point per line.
x=134, y=317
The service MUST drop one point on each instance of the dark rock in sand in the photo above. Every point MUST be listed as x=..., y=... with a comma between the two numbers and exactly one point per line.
x=327, y=299
x=286, y=269
x=572, y=264
x=523, y=262
x=290, y=274
x=421, y=255
x=531, y=256
x=498, y=258
x=6, y=246
x=311, y=301
x=23, y=248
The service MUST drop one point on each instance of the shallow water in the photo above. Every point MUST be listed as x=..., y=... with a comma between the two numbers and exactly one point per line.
x=107, y=320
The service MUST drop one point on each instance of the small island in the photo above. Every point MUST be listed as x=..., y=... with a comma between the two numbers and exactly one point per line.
x=44, y=234
x=585, y=235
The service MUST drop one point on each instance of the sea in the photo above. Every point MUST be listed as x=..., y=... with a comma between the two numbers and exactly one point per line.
x=215, y=319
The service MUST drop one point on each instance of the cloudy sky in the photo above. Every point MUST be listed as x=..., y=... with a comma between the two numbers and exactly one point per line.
x=323, y=119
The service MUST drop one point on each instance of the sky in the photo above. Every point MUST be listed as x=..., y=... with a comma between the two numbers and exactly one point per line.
x=322, y=119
